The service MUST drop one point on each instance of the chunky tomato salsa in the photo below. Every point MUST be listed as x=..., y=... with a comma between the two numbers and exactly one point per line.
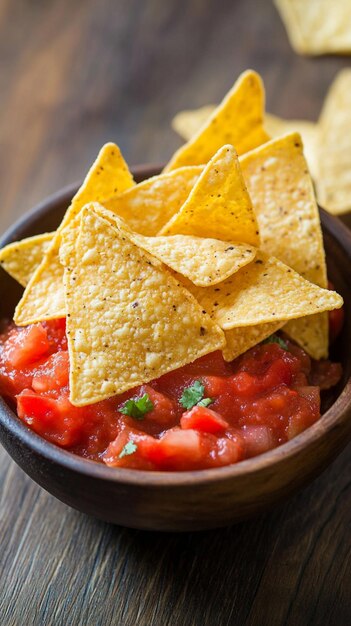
x=207, y=414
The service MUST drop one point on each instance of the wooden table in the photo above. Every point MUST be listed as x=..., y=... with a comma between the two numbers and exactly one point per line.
x=73, y=75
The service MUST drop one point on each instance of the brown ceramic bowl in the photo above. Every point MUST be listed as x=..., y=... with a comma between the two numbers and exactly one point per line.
x=181, y=501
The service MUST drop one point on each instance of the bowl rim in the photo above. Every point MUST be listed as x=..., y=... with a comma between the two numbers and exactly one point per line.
x=333, y=417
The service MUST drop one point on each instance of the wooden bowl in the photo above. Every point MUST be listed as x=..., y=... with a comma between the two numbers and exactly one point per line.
x=182, y=501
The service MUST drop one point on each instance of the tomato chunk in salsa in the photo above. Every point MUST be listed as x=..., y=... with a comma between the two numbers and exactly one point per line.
x=207, y=414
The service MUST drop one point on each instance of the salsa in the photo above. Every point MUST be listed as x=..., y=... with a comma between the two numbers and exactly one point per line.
x=209, y=413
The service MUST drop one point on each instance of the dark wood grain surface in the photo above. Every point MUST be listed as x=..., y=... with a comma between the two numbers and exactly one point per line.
x=73, y=75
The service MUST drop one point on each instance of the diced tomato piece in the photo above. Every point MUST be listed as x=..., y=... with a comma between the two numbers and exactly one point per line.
x=203, y=419
x=226, y=451
x=176, y=449
x=27, y=346
x=215, y=385
x=306, y=412
x=245, y=384
x=53, y=373
x=56, y=331
x=258, y=439
x=164, y=411
x=55, y=419
x=137, y=460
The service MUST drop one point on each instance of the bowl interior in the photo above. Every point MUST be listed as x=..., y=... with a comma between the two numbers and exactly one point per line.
x=337, y=238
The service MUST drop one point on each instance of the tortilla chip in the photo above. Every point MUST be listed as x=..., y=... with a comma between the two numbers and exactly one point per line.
x=282, y=195
x=43, y=298
x=150, y=204
x=239, y=340
x=264, y=291
x=188, y=123
x=20, y=259
x=238, y=120
x=317, y=26
x=218, y=205
x=137, y=321
x=311, y=333
x=277, y=126
x=203, y=261
x=334, y=182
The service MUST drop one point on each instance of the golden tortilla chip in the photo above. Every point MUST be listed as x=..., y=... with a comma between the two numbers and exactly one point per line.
x=20, y=259
x=334, y=181
x=129, y=321
x=317, y=26
x=238, y=120
x=277, y=126
x=311, y=333
x=218, y=205
x=203, y=261
x=282, y=194
x=239, y=340
x=264, y=291
x=43, y=298
x=150, y=204
x=188, y=123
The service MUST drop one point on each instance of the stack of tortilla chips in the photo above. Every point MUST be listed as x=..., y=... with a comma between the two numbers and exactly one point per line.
x=219, y=251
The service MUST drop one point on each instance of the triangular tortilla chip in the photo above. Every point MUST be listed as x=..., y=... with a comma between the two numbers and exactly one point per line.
x=20, y=259
x=148, y=206
x=317, y=26
x=137, y=321
x=239, y=340
x=43, y=298
x=218, y=205
x=283, y=198
x=264, y=291
x=187, y=123
x=203, y=261
x=334, y=181
x=238, y=120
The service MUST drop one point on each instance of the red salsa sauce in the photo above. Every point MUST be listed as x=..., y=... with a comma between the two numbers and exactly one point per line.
x=253, y=404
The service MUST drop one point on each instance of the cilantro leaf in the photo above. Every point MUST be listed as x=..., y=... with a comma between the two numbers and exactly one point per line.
x=128, y=449
x=137, y=407
x=278, y=340
x=205, y=402
x=194, y=395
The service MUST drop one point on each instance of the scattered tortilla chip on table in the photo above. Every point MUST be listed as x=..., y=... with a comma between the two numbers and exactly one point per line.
x=150, y=204
x=283, y=198
x=334, y=181
x=317, y=26
x=219, y=205
x=136, y=323
x=238, y=120
x=21, y=258
x=264, y=291
x=43, y=298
